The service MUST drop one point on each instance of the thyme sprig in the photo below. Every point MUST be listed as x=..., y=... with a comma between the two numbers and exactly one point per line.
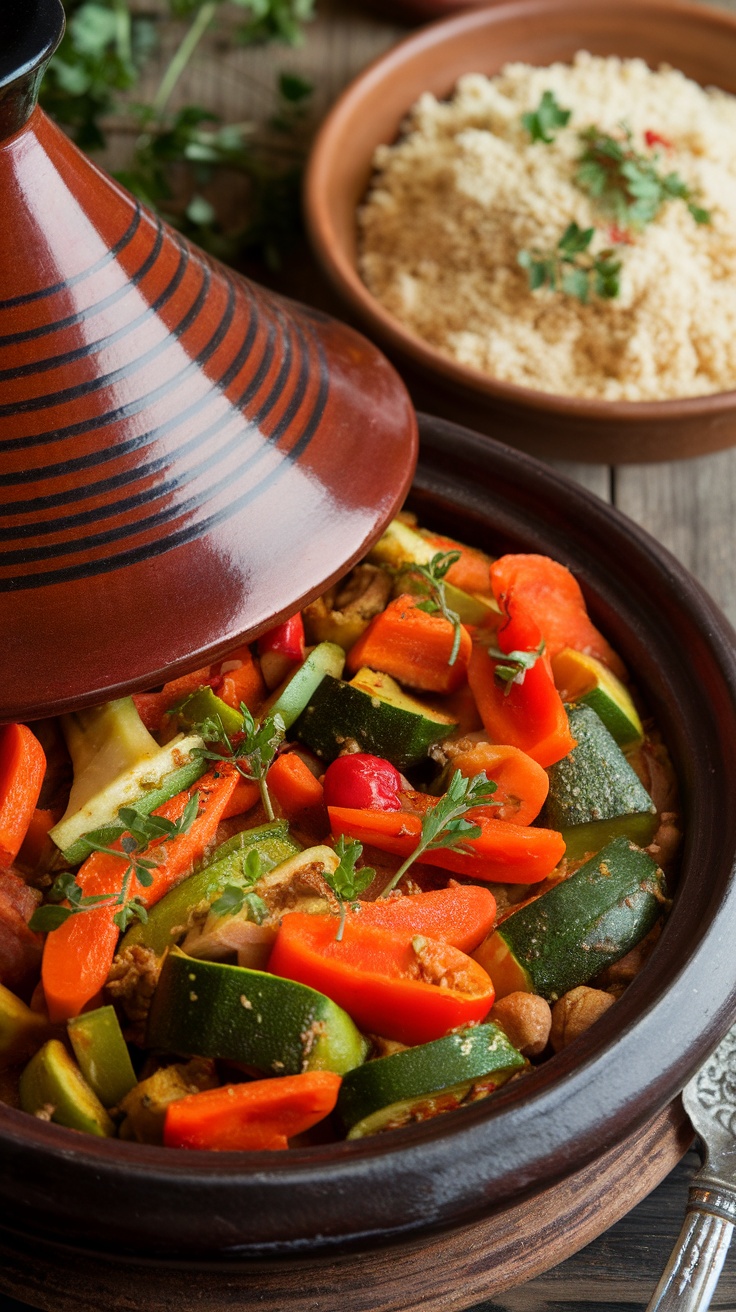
x=143, y=833
x=238, y=897
x=445, y=825
x=251, y=750
x=626, y=183
x=572, y=267
x=512, y=667
x=429, y=582
x=346, y=882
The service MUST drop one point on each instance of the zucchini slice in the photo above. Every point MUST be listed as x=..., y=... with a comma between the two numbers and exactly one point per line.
x=207, y=1009
x=586, y=680
x=568, y=935
x=373, y=711
x=593, y=786
x=466, y=1055
x=52, y=1080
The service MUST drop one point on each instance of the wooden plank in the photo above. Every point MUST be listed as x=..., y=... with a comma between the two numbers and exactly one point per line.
x=688, y=506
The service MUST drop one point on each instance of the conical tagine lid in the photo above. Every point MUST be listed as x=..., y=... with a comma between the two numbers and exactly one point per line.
x=185, y=458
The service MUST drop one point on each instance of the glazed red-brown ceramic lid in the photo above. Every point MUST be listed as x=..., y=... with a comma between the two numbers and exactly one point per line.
x=185, y=459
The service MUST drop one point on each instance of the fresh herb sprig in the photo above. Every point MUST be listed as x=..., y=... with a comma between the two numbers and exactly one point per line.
x=543, y=122
x=251, y=750
x=572, y=267
x=175, y=156
x=513, y=666
x=238, y=897
x=142, y=834
x=346, y=882
x=445, y=825
x=627, y=184
x=430, y=584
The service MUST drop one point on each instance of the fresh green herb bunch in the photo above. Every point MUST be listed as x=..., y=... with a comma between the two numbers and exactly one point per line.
x=572, y=268
x=251, y=751
x=176, y=156
x=142, y=833
x=429, y=582
x=627, y=184
x=445, y=825
x=543, y=122
x=240, y=897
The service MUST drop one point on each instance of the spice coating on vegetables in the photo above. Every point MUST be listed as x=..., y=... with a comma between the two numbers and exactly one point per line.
x=372, y=855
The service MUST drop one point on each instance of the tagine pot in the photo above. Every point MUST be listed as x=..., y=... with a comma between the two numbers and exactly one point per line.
x=185, y=457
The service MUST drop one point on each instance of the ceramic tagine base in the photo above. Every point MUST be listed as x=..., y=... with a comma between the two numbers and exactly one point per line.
x=445, y=1272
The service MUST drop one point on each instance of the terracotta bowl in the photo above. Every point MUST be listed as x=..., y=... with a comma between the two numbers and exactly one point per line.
x=700, y=41
x=226, y=1216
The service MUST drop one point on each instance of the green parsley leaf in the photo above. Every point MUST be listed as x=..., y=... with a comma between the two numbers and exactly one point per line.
x=512, y=666
x=542, y=122
x=429, y=581
x=251, y=751
x=626, y=183
x=445, y=825
x=346, y=882
x=572, y=268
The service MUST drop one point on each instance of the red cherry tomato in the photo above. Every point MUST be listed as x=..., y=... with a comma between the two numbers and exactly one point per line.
x=359, y=780
x=286, y=638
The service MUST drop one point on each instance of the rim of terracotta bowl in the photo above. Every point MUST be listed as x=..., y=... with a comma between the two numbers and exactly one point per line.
x=342, y=271
x=588, y=1098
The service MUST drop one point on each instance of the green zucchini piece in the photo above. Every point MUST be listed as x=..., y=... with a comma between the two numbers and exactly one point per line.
x=375, y=712
x=145, y=1105
x=595, y=783
x=568, y=935
x=411, y=1111
x=288, y=701
x=22, y=1031
x=52, y=1083
x=205, y=705
x=428, y=1068
x=402, y=545
x=584, y=679
x=102, y=1054
x=168, y=919
x=170, y=785
x=208, y=1009
x=116, y=762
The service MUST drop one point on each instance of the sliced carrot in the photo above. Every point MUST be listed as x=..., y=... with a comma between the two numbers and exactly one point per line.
x=461, y=914
x=262, y=1114
x=241, y=682
x=413, y=647
x=471, y=572
x=77, y=956
x=552, y=597
x=503, y=853
x=295, y=788
x=22, y=767
x=153, y=706
x=521, y=784
x=243, y=798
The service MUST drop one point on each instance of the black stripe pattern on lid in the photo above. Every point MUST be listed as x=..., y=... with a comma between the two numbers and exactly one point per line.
x=146, y=400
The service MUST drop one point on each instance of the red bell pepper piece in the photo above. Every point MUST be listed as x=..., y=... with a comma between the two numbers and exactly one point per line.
x=360, y=780
x=262, y=1114
x=461, y=915
x=410, y=989
x=521, y=784
x=528, y=714
x=550, y=595
x=280, y=648
x=22, y=768
x=504, y=853
x=77, y=956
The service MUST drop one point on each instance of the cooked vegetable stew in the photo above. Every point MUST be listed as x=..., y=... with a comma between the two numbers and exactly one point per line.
x=395, y=853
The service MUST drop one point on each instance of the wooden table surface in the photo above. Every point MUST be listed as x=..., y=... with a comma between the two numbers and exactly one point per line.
x=688, y=506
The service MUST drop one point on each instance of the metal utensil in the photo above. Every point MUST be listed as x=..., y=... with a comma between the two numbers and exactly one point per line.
x=691, y=1275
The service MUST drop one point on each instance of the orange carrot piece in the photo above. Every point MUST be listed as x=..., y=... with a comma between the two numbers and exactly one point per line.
x=153, y=706
x=521, y=784
x=529, y=716
x=295, y=788
x=242, y=682
x=77, y=956
x=550, y=595
x=244, y=796
x=504, y=853
x=461, y=914
x=471, y=572
x=413, y=647
x=262, y=1114
x=22, y=768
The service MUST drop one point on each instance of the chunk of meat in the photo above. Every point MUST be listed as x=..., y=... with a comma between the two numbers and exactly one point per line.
x=20, y=948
